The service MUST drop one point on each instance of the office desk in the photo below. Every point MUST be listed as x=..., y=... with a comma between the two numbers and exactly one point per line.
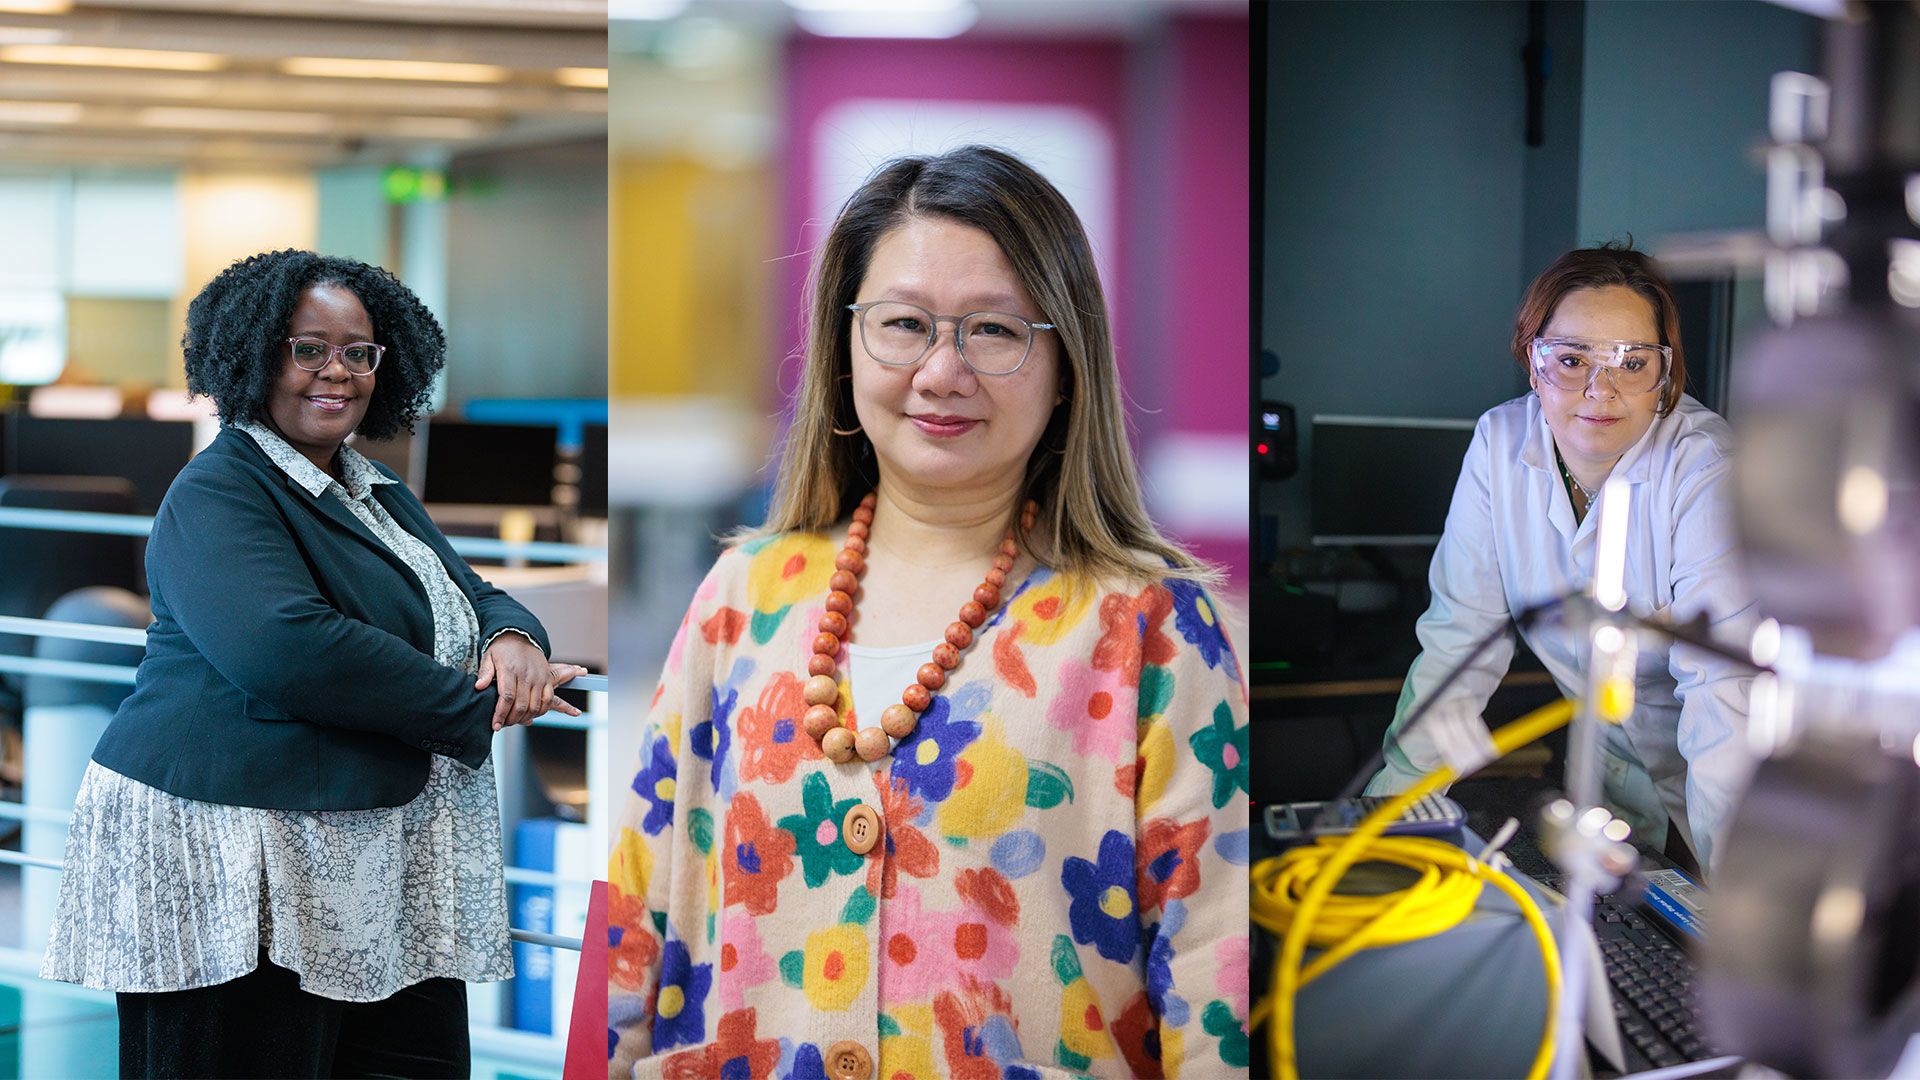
x=570, y=601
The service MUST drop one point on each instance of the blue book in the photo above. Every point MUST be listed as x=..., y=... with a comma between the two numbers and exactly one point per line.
x=535, y=845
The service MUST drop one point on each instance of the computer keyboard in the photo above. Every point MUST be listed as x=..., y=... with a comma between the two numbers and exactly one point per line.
x=1653, y=989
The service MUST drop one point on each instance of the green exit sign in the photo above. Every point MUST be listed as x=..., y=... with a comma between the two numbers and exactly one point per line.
x=408, y=185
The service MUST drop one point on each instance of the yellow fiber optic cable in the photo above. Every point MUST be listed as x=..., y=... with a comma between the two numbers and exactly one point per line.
x=1292, y=897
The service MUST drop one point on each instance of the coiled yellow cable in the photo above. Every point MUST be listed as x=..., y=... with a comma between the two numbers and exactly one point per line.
x=1292, y=896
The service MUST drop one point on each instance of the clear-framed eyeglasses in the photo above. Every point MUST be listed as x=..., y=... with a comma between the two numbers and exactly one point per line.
x=313, y=354
x=1634, y=367
x=899, y=334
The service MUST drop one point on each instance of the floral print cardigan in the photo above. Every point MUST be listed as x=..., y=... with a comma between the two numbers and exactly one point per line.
x=1061, y=889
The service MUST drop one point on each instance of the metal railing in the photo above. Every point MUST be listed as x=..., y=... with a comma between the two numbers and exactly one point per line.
x=481, y=547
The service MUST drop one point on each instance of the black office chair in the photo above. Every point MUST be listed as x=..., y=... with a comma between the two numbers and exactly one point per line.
x=39, y=566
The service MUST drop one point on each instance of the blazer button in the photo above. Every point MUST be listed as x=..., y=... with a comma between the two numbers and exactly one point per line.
x=849, y=1061
x=860, y=829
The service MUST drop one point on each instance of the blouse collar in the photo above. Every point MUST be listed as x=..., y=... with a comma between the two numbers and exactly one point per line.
x=360, y=473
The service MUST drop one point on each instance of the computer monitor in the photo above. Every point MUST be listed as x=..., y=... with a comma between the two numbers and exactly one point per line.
x=147, y=453
x=489, y=464
x=1384, y=480
x=593, y=470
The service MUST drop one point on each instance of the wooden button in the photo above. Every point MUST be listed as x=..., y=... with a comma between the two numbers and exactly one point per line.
x=861, y=831
x=849, y=1061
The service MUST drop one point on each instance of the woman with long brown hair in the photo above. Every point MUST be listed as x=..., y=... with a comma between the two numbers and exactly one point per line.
x=1027, y=862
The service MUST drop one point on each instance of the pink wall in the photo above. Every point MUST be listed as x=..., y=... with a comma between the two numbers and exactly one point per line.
x=1210, y=242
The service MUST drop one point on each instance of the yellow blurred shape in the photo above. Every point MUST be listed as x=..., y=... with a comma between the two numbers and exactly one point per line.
x=582, y=77
x=1615, y=699
x=343, y=67
x=517, y=526
x=36, y=7
x=101, y=56
x=688, y=295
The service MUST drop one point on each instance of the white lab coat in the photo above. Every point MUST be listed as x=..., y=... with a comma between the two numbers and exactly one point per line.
x=1511, y=542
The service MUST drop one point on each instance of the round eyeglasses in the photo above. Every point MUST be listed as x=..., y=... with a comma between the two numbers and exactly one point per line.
x=899, y=334
x=1634, y=367
x=313, y=354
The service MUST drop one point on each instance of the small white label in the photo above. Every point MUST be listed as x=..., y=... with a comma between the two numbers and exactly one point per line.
x=1459, y=735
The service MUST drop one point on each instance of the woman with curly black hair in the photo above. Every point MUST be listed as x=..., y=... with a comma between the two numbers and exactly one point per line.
x=285, y=855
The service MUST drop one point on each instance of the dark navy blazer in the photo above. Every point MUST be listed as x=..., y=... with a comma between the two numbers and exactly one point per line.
x=290, y=661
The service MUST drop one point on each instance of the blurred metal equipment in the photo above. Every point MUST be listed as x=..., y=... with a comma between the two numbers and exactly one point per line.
x=1815, y=926
x=1814, y=936
x=1829, y=404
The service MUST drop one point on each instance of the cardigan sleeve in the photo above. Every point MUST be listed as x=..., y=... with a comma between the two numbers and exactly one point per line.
x=220, y=565
x=647, y=870
x=1191, y=841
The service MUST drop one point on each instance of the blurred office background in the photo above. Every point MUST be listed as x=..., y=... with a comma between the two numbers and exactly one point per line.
x=1422, y=163
x=737, y=129
x=145, y=145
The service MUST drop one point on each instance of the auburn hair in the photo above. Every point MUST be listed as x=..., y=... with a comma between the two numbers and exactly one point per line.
x=1595, y=268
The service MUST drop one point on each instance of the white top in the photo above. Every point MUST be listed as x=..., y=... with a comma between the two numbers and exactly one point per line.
x=1511, y=542
x=877, y=676
x=164, y=893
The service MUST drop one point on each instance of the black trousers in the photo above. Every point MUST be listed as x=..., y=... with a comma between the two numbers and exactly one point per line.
x=263, y=1025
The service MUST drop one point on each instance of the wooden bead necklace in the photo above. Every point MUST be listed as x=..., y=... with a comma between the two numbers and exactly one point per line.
x=897, y=721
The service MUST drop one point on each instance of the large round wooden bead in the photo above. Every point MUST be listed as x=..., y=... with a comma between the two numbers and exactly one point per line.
x=837, y=745
x=820, y=720
x=863, y=514
x=840, y=602
x=821, y=665
x=959, y=634
x=986, y=596
x=871, y=744
x=1009, y=548
x=822, y=690
x=833, y=623
x=946, y=655
x=850, y=561
x=973, y=614
x=856, y=543
x=916, y=697
x=996, y=577
x=1003, y=563
x=859, y=529
x=841, y=581
x=932, y=676
x=898, y=721
x=869, y=499
x=826, y=644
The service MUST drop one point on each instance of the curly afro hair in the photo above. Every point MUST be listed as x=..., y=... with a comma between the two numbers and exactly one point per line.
x=237, y=330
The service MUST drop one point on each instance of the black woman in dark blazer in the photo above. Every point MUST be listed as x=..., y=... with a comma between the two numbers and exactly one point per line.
x=285, y=856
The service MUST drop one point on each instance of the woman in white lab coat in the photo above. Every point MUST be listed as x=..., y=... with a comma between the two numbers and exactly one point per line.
x=1598, y=334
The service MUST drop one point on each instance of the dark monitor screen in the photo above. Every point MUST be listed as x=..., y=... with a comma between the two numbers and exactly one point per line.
x=490, y=464
x=1384, y=480
x=593, y=470
x=148, y=453
x=6, y=442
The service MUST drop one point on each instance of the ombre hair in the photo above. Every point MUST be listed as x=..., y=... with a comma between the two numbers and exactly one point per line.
x=1082, y=471
x=1595, y=268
